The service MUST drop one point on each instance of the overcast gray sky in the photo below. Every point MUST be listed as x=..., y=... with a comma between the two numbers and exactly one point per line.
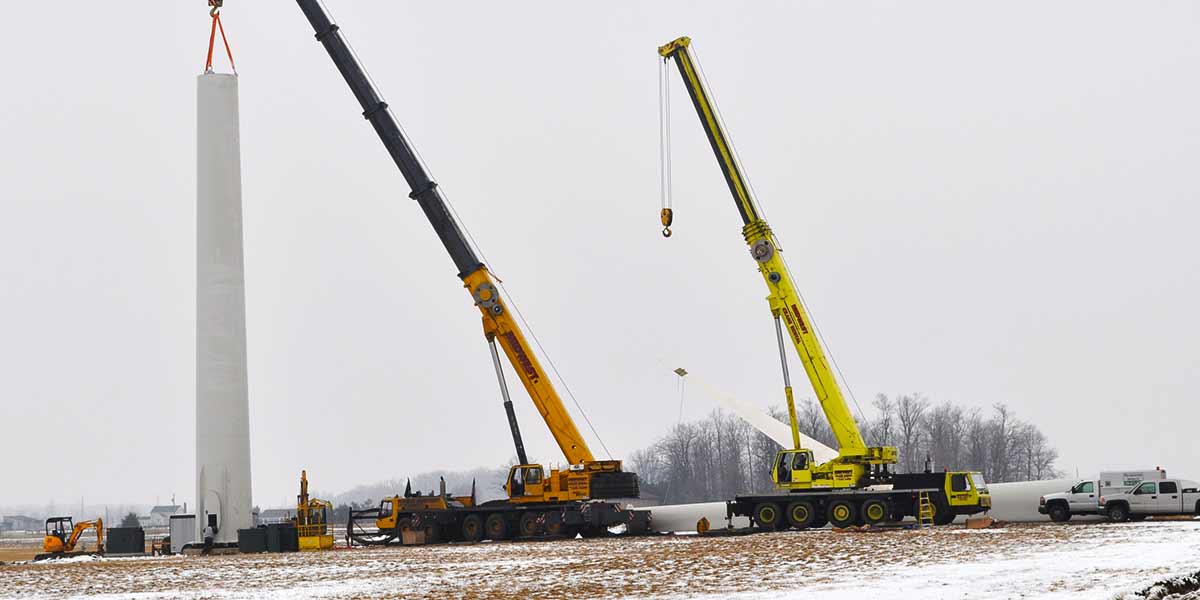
x=981, y=202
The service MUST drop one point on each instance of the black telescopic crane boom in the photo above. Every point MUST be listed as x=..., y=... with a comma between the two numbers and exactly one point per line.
x=375, y=110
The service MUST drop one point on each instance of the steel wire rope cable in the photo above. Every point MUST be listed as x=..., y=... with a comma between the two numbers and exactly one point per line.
x=763, y=215
x=475, y=245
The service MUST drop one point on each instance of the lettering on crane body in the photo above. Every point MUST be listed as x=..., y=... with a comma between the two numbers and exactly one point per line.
x=799, y=319
x=792, y=326
x=522, y=358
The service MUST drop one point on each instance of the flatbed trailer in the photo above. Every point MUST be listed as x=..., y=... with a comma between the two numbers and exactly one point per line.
x=949, y=497
x=497, y=520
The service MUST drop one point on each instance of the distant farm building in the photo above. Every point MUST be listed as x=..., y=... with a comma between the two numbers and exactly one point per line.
x=160, y=516
x=20, y=523
x=272, y=516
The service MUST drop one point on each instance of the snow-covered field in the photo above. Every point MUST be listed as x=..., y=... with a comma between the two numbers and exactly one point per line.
x=1018, y=561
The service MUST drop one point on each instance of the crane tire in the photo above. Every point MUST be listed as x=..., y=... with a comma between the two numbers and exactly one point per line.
x=496, y=526
x=472, y=528
x=874, y=511
x=801, y=514
x=841, y=513
x=767, y=515
x=530, y=524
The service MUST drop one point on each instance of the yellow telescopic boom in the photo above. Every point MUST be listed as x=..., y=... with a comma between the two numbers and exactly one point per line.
x=783, y=298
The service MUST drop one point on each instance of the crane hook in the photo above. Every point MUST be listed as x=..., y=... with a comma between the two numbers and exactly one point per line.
x=216, y=7
x=668, y=216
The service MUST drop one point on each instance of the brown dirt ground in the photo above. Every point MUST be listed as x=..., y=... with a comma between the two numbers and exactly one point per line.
x=606, y=568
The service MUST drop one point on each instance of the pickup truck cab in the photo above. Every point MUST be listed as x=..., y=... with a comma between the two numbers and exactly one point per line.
x=1081, y=499
x=1150, y=498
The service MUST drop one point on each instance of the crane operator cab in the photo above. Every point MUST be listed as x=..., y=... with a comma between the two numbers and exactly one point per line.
x=525, y=480
x=793, y=467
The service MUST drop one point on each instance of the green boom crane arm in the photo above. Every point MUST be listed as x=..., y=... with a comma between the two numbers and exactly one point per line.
x=783, y=298
x=498, y=323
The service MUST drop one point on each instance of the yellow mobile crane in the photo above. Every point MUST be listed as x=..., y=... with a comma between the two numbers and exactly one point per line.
x=836, y=490
x=538, y=501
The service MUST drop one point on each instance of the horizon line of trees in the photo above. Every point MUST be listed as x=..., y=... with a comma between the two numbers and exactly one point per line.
x=721, y=456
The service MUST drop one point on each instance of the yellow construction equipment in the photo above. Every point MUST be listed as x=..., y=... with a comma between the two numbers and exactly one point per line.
x=312, y=519
x=857, y=465
x=537, y=500
x=62, y=537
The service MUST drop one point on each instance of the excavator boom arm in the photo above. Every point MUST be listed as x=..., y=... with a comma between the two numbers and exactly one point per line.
x=498, y=322
x=82, y=527
x=784, y=298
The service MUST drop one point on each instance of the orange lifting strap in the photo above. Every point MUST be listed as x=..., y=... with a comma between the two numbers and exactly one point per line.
x=212, y=36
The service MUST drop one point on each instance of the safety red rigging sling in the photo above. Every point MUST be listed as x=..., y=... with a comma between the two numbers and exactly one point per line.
x=215, y=12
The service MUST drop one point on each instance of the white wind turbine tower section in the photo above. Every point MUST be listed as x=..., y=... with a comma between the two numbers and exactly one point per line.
x=222, y=398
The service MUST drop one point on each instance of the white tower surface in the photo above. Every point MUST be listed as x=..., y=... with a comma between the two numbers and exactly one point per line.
x=222, y=398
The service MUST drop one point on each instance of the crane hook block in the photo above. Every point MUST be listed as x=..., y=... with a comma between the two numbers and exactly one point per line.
x=668, y=216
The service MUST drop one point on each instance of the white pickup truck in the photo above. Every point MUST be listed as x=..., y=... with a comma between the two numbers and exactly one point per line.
x=1150, y=498
x=1083, y=497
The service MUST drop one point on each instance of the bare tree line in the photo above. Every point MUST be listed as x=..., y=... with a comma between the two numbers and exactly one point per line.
x=998, y=444
x=711, y=459
x=721, y=456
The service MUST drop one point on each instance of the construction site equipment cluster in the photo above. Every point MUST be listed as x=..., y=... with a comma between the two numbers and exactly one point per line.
x=856, y=487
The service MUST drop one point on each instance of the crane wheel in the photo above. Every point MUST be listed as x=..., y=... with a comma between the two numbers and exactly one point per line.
x=841, y=513
x=531, y=524
x=767, y=515
x=496, y=527
x=801, y=514
x=874, y=512
x=472, y=528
